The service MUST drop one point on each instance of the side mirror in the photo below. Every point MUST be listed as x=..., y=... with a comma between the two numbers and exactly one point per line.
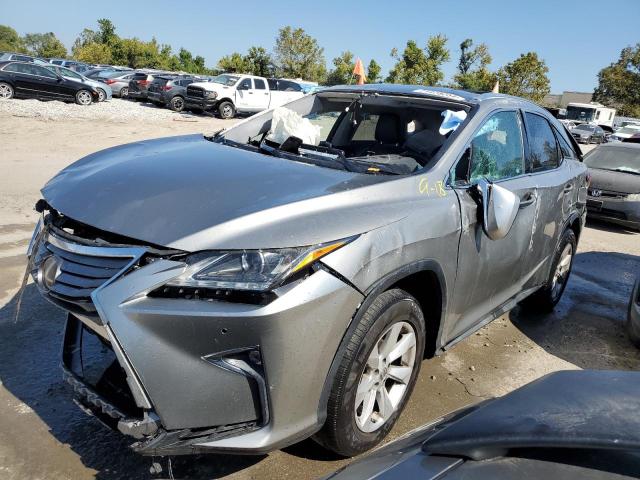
x=499, y=209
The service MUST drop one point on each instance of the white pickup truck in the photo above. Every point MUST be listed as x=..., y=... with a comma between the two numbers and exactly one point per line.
x=231, y=93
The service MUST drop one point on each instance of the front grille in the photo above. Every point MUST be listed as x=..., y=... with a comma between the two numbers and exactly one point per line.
x=69, y=272
x=197, y=92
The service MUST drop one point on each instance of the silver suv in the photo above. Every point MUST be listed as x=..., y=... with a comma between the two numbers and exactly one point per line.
x=286, y=277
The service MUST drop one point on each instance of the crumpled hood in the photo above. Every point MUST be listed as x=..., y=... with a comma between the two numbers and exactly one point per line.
x=615, y=181
x=189, y=193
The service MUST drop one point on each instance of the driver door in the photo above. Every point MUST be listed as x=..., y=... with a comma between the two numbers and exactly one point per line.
x=490, y=271
x=246, y=98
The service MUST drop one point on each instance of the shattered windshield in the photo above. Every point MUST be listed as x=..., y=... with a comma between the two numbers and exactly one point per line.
x=619, y=159
x=369, y=133
x=228, y=80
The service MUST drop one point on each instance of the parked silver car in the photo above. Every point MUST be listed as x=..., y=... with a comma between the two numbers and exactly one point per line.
x=104, y=91
x=118, y=81
x=283, y=279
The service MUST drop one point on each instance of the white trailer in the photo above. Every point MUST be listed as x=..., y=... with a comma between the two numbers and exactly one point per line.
x=593, y=112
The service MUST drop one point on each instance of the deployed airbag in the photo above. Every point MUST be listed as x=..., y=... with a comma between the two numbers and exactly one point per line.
x=286, y=123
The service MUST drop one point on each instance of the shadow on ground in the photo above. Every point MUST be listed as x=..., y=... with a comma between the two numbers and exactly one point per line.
x=587, y=326
x=29, y=370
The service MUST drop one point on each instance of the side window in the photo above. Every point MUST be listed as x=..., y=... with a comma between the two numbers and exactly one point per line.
x=565, y=148
x=542, y=143
x=12, y=67
x=43, y=72
x=22, y=58
x=496, y=149
x=259, y=84
x=287, y=86
x=245, y=84
x=273, y=83
x=366, y=130
x=187, y=82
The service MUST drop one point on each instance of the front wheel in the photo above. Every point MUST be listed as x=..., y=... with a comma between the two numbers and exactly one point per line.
x=102, y=96
x=226, y=110
x=177, y=103
x=376, y=375
x=6, y=91
x=548, y=296
x=83, y=97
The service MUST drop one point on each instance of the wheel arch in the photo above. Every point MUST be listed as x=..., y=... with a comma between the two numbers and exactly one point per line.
x=425, y=281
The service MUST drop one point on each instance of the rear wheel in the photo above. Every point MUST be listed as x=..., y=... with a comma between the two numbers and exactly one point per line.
x=545, y=299
x=226, y=110
x=6, y=90
x=102, y=96
x=177, y=103
x=376, y=375
x=124, y=92
x=83, y=97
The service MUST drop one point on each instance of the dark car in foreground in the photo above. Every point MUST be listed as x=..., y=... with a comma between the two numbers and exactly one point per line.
x=614, y=193
x=169, y=91
x=286, y=277
x=568, y=425
x=587, y=133
x=633, y=315
x=30, y=80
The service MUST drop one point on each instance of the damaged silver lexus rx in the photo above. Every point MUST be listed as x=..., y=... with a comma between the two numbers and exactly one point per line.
x=285, y=278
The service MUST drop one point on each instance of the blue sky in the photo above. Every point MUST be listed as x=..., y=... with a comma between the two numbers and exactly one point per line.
x=575, y=38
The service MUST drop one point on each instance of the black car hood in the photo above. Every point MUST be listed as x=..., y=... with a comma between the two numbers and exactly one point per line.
x=189, y=193
x=614, y=181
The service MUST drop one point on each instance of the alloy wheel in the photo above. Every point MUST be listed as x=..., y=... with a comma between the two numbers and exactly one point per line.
x=101, y=95
x=226, y=112
x=124, y=92
x=386, y=376
x=84, y=97
x=561, y=274
x=178, y=104
x=5, y=91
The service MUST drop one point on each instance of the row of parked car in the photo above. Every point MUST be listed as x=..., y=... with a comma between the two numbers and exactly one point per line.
x=225, y=95
x=591, y=133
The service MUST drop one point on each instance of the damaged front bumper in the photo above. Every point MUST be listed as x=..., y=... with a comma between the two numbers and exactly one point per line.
x=185, y=375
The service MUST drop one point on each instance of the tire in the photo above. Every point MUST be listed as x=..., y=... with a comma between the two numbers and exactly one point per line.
x=6, y=91
x=547, y=297
x=365, y=372
x=226, y=110
x=83, y=97
x=124, y=92
x=177, y=103
x=102, y=95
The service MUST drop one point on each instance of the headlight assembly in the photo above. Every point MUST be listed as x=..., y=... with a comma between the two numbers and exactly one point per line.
x=212, y=95
x=254, y=270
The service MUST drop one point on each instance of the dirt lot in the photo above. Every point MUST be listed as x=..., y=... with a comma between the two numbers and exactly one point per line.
x=44, y=435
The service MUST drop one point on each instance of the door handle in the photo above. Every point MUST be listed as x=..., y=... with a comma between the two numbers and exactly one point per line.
x=527, y=200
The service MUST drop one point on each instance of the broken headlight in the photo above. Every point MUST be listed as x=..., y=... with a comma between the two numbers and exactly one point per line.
x=258, y=270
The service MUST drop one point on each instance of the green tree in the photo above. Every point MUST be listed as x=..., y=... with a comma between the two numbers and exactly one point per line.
x=373, y=72
x=298, y=55
x=10, y=40
x=525, y=77
x=619, y=83
x=86, y=37
x=420, y=66
x=259, y=62
x=234, y=63
x=44, y=45
x=93, y=53
x=343, y=69
x=473, y=73
x=106, y=31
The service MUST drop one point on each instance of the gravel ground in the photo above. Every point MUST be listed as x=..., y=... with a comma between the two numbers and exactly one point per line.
x=114, y=110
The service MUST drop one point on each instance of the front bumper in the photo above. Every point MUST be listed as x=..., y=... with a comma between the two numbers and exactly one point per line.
x=210, y=375
x=200, y=103
x=615, y=210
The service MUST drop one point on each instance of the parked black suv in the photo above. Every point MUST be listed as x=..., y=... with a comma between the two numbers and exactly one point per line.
x=169, y=91
x=29, y=80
